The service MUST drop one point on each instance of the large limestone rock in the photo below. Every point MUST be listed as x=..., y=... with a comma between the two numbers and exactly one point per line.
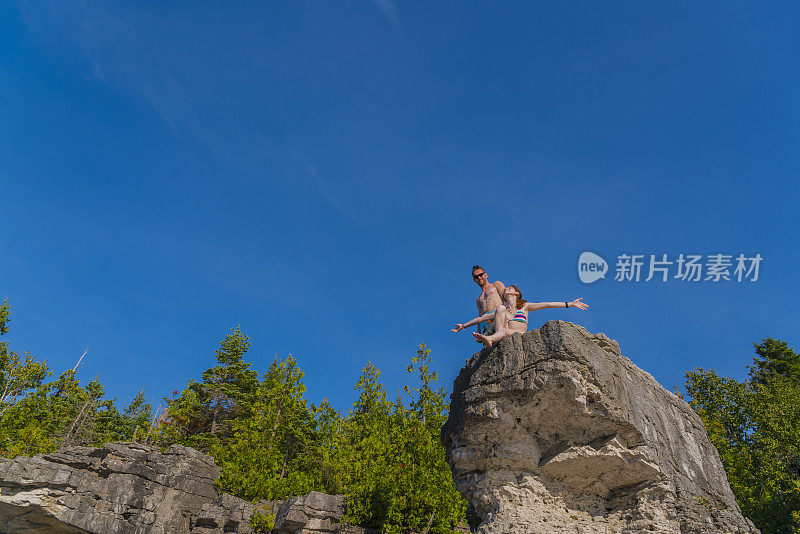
x=119, y=488
x=555, y=431
x=130, y=488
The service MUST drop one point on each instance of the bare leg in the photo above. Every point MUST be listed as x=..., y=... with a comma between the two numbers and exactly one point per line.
x=500, y=325
x=494, y=338
x=498, y=316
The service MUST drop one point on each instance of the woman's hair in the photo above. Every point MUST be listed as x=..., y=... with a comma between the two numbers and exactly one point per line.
x=520, y=301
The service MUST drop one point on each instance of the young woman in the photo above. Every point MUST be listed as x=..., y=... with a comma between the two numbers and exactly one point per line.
x=512, y=315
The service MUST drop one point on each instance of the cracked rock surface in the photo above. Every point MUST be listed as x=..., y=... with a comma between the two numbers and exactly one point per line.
x=120, y=487
x=555, y=431
x=130, y=488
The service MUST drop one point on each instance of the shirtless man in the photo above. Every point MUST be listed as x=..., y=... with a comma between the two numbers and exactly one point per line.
x=489, y=298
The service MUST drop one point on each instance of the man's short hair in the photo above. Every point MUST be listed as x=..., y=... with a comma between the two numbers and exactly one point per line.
x=476, y=267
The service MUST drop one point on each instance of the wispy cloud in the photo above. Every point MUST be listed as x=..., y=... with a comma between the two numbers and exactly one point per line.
x=30, y=266
x=327, y=191
x=390, y=10
x=129, y=49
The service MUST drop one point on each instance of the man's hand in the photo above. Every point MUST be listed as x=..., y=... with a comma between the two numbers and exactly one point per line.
x=458, y=328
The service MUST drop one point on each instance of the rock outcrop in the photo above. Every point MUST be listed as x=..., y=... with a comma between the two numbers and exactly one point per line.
x=314, y=513
x=129, y=488
x=555, y=431
x=120, y=488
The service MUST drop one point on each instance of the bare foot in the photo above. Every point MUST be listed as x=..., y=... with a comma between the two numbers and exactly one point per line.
x=483, y=339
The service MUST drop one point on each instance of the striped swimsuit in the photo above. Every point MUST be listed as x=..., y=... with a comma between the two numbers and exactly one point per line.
x=521, y=317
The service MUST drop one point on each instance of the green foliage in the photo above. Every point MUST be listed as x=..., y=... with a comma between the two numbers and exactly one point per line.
x=230, y=385
x=755, y=426
x=386, y=456
x=187, y=418
x=268, y=441
x=262, y=522
x=368, y=447
x=397, y=476
x=203, y=415
x=131, y=424
x=18, y=376
x=775, y=358
x=270, y=457
x=5, y=317
x=37, y=415
x=329, y=448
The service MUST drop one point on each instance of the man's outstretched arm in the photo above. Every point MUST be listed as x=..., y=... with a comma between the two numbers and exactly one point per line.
x=461, y=326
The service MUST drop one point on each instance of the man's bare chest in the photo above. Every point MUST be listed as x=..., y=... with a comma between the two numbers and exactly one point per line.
x=490, y=295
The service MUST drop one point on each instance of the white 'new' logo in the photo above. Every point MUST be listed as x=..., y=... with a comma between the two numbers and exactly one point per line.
x=591, y=267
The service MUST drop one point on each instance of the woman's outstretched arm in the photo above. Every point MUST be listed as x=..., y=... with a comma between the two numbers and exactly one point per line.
x=533, y=306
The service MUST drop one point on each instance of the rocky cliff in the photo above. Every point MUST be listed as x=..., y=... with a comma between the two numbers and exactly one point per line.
x=551, y=431
x=555, y=431
x=129, y=488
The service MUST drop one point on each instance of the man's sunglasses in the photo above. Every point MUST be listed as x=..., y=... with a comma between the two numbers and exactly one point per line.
x=476, y=276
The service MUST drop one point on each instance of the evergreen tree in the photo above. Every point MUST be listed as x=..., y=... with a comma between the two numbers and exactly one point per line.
x=429, y=483
x=203, y=415
x=398, y=479
x=37, y=415
x=132, y=424
x=230, y=385
x=775, y=357
x=755, y=426
x=17, y=376
x=5, y=317
x=386, y=456
x=269, y=455
x=328, y=448
x=368, y=456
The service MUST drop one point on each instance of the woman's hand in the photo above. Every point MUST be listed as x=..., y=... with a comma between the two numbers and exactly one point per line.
x=578, y=304
x=458, y=328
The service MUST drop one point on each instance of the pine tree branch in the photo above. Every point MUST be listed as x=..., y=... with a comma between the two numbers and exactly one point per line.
x=283, y=469
x=68, y=437
x=152, y=424
x=80, y=359
x=430, y=522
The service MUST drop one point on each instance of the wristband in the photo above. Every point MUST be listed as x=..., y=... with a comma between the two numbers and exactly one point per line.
x=567, y=304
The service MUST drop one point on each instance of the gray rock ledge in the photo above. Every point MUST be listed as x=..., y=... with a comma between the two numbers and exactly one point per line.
x=129, y=488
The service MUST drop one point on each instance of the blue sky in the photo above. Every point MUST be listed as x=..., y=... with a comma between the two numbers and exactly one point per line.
x=324, y=174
